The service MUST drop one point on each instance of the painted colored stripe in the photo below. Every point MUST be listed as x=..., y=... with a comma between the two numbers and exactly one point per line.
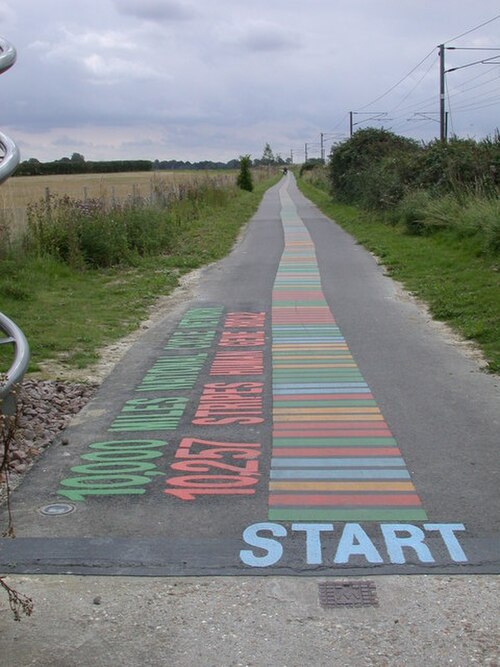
x=332, y=442
x=334, y=456
x=332, y=473
x=344, y=499
x=346, y=514
x=305, y=463
x=341, y=486
x=321, y=452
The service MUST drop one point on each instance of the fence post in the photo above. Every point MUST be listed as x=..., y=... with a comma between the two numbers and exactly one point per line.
x=47, y=201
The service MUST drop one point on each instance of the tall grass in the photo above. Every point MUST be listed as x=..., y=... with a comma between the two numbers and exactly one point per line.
x=85, y=275
x=93, y=233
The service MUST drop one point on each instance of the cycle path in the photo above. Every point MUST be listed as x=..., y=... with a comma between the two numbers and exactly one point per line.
x=297, y=416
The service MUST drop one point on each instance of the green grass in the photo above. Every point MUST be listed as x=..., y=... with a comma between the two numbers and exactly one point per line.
x=68, y=314
x=459, y=283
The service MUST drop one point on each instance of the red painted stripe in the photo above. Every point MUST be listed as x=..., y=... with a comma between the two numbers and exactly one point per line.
x=332, y=500
x=309, y=452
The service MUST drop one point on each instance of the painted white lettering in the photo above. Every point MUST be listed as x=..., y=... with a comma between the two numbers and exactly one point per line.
x=273, y=548
x=354, y=541
x=447, y=532
x=414, y=539
x=313, y=539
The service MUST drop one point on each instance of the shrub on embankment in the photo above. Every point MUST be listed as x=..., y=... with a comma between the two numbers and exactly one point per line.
x=453, y=186
x=437, y=229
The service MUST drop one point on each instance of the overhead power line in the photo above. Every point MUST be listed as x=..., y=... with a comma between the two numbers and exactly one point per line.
x=399, y=82
x=473, y=29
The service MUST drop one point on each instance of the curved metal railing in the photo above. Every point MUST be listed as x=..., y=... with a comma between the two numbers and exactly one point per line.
x=10, y=151
x=13, y=334
x=10, y=380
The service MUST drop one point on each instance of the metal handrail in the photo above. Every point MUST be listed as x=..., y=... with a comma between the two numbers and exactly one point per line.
x=14, y=376
x=10, y=159
x=14, y=336
x=11, y=153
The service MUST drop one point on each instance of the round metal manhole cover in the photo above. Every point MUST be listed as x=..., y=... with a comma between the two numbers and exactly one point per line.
x=56, y=509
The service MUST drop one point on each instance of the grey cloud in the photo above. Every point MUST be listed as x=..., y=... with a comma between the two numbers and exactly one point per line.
x=268, y=37
x=66, y=141
x=156, y=10
x=6, y=13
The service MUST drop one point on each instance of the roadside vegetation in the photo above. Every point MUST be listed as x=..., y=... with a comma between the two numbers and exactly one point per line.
x=84, y=273
x=431, y=214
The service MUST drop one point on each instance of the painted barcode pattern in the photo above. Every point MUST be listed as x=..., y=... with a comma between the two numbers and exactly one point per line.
x=334, y=456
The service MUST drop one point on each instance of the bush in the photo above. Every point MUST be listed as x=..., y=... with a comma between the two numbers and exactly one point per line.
x=365, y=169
x=460, y=163
x=244, y=180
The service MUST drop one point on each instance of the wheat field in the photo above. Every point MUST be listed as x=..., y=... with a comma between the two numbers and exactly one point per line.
x=18, y=192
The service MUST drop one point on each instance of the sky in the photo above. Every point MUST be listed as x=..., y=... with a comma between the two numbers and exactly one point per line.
x=216, y=79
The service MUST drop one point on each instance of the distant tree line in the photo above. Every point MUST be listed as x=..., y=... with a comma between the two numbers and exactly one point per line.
x=203, y=164
x=76, y=164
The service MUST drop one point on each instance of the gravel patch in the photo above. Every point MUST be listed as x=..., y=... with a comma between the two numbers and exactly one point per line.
x=45, y=409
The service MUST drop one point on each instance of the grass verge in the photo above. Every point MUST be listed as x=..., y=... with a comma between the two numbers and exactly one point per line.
x=68, y=314
x=459, y=284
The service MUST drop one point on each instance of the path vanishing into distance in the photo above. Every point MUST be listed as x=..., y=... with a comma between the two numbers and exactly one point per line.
x=298, y=416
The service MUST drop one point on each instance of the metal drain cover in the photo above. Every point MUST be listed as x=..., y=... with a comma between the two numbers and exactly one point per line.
x=56, y=509
x=348, y=594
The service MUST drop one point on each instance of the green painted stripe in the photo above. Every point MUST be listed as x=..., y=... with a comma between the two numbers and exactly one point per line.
x=313, y=514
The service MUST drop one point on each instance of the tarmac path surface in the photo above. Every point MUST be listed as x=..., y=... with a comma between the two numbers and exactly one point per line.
x=296, y=417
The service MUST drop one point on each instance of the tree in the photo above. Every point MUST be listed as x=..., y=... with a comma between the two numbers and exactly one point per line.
x=244, y=180
x=77, y=158
x=267, y=156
